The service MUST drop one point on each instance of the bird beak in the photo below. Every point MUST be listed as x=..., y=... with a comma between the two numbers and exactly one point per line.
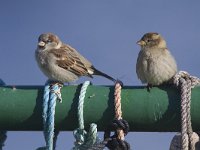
x=141, y=42
x=41, y=44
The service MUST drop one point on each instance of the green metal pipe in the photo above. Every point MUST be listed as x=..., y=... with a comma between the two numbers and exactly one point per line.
x=157, y=111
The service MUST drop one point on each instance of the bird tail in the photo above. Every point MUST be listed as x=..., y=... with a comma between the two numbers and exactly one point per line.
x=97, y=72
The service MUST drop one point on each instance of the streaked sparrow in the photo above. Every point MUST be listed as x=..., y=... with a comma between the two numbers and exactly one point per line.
x=62, y=63
x=155, y=64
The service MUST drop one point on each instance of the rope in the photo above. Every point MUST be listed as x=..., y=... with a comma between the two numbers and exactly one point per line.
x=118, y=125
x=3, y=137
x=188, y=137
x=118, y=111
x=81, y=102
x=3, y=134
x=51, y=94
x=84, y=140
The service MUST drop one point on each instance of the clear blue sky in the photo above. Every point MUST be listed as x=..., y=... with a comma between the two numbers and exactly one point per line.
x=104, y=31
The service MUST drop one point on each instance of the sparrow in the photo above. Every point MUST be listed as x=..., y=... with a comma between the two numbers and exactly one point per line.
x=62, y=63
x=155, y=64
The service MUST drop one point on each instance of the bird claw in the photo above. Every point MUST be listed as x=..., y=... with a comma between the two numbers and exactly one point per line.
x=149, y=87
x=120, y=82
x=59, y=99
x=56, y=83
x=57, y=92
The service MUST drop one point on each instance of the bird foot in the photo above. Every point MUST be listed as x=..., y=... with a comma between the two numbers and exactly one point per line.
x=149, y=87
x=120, y=82
x=57, y=92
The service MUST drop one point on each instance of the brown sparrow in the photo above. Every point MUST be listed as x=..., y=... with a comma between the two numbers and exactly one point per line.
x=62, y=63
x=155, y=64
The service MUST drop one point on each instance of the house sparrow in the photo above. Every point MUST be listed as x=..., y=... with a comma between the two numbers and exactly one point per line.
x=155, y=64
x=62, y=63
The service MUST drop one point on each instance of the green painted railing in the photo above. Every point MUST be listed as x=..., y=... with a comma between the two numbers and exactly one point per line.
x=159, y=110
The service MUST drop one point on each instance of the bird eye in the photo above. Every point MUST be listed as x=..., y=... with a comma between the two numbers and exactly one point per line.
x=148, y=40
x=49, y=41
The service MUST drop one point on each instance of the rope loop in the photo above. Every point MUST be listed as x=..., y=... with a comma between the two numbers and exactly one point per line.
x=186, y=76
x=51, y=94
x=80, y=136
x=185, y=82
x=118, y=125
x=85, y=140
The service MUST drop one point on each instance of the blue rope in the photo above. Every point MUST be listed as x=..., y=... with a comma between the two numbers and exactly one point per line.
x=80, y=104
x=49, y=103
x=84, y=140
x=45, y=108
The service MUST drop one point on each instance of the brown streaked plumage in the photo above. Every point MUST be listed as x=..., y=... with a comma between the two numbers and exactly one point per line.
x=155, y=64
x=60, y=62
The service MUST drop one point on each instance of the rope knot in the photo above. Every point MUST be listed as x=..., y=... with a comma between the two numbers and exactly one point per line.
x=116, y=125
x=182, y=76
x=117, y=142
x=80, y=136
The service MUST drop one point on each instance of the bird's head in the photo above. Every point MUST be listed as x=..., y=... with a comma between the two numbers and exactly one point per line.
x=152, y=40
x=49, y=41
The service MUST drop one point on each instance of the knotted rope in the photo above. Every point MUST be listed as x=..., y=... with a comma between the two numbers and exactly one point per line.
x=3, y=134
x=51, y=94
x=188, y=138
x=84, y=140
x=118, y=125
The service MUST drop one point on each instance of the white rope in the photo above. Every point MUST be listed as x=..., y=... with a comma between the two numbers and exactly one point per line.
x=187, y=139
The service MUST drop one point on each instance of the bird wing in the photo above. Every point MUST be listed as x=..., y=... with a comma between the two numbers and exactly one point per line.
x=68, y=58
x=141, y=67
